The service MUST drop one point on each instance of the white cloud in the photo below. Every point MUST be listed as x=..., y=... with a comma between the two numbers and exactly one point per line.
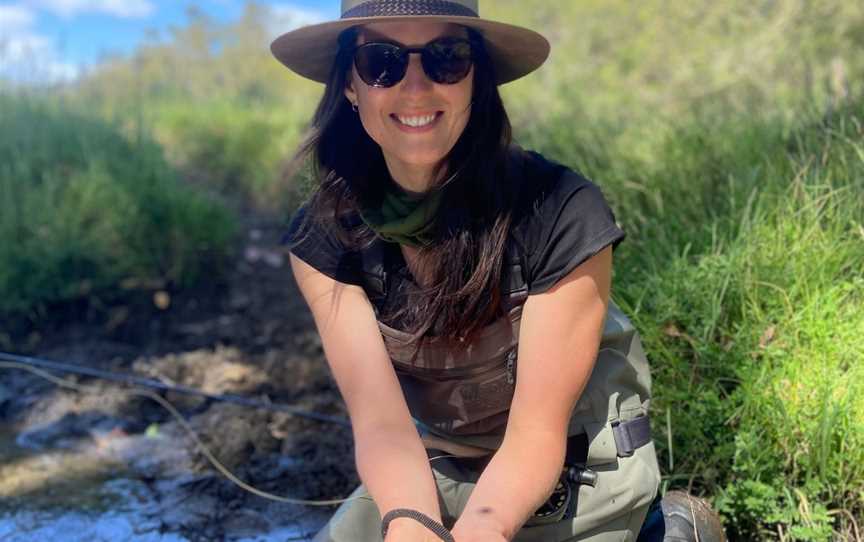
x=31, y=58
x=25, y=55
x=126, y=9
x=287, y=17
x=14, y=18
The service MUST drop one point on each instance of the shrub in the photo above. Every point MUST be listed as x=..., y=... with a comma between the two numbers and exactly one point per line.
x=237, y=150
x=83, y=208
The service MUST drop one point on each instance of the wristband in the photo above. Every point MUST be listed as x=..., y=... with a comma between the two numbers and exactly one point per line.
x=427, y=522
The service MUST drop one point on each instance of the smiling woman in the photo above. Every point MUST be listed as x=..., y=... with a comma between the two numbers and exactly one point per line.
x=460, y=286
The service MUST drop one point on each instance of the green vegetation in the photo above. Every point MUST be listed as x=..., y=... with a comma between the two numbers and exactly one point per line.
x=748, y=286
x=728, y=137
x=84, y=209
x=224, y=109
x=734, y=158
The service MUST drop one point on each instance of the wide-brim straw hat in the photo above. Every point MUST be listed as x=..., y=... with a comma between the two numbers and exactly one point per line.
x=311, y=50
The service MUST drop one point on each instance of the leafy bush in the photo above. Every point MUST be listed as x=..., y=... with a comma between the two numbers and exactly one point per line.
x=630, y=64
x=225, y=111
x=234, y=148
x=83, y=208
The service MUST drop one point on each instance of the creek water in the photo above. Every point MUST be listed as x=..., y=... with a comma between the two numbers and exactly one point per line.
x=92, y=490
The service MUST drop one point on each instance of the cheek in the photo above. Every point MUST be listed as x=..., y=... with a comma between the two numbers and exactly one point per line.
x=461, y=98
x=370, y=113
x=369, y=108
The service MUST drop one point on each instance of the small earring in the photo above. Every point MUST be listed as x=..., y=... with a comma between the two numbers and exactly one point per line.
x=354, y=107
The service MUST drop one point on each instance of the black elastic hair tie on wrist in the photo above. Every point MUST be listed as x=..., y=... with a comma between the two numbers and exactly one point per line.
x=427, y=522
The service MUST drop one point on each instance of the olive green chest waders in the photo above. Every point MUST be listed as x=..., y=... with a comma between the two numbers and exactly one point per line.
x=460, y=404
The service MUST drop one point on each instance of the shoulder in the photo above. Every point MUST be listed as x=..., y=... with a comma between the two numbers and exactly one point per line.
x=561, y=219
x=315, y=240
x=541, y=177
x=546, y=190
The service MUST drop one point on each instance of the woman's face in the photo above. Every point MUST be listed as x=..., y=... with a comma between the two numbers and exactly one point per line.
x=409, y=148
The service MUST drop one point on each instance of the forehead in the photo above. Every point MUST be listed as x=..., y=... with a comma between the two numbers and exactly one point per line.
x=410, y=33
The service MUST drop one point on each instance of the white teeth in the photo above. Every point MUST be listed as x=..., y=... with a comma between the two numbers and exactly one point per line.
x=417, y=122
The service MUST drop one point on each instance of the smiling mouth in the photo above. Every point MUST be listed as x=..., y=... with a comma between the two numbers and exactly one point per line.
x=417, y=121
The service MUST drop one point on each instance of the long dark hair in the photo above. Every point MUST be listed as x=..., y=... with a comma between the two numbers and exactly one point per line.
x=465, y=263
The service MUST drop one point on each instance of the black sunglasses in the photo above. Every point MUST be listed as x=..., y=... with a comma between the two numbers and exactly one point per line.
x=446, y=61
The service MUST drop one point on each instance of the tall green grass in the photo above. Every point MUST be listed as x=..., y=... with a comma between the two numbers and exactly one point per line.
x=744, y=271
x=83, y=208
x=736, y=164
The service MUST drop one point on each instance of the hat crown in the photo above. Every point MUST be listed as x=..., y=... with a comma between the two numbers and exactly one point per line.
x=366, y=8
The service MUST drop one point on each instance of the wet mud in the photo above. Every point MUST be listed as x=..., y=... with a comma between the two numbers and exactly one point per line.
x=110, y=466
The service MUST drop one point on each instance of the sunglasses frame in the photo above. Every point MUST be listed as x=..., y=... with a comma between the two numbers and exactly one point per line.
x=406, y=52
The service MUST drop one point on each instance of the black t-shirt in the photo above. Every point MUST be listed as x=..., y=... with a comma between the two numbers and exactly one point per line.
x=561, y=220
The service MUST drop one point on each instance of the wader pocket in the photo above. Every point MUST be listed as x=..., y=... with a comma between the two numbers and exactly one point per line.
x=602, y=449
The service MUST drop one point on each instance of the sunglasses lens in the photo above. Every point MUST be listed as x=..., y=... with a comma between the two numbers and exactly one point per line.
x=380, y=64
x=448, y=60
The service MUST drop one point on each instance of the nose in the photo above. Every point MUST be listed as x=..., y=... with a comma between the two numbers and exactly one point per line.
x=415, y=78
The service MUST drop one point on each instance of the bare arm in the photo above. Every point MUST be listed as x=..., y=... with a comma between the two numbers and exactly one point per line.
x=390, y=457
x=559, y=339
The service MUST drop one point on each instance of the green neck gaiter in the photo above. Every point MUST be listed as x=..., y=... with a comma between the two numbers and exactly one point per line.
x=404, y=219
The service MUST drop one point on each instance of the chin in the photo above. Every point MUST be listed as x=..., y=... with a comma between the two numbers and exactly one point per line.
x=428, y=156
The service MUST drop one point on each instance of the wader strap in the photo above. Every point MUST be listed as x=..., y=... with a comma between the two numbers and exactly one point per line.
x=629, y=436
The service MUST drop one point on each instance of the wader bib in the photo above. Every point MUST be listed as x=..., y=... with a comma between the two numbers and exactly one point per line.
x=461, y=402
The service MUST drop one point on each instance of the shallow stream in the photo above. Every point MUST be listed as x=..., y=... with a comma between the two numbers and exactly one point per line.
x=93, y=490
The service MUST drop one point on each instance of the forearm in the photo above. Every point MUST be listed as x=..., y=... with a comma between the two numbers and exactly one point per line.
x=516, y=482
x=395, y=469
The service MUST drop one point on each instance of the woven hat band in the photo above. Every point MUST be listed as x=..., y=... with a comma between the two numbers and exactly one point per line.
x=393, y=8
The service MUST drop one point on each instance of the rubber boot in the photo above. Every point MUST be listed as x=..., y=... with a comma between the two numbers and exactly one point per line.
x=680, y=517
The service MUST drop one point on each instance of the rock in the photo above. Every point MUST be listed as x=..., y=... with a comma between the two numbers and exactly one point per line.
x=243, y=523
x=233, y=433
x=64, y=432
x=239, y=301
x=5, y=396
x=162, y=300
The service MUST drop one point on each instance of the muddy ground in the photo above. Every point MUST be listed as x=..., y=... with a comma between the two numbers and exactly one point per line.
x=247, y=333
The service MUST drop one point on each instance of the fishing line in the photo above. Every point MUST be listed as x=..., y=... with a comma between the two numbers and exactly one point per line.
x=183, y=423
x=130, y=379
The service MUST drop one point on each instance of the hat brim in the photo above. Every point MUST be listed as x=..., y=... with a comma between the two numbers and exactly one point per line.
x=310, y=50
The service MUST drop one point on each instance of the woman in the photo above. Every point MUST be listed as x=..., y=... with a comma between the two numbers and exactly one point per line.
x=460, y=287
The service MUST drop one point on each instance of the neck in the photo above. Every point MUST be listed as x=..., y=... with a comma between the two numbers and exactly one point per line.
x=414, y=179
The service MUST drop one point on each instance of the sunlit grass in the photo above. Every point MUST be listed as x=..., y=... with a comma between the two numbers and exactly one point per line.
x=755, y=327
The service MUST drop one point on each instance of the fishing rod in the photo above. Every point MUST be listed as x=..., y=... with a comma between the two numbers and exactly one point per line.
x=130, y=379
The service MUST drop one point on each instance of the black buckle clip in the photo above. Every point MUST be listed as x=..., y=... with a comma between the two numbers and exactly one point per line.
x=623, y=440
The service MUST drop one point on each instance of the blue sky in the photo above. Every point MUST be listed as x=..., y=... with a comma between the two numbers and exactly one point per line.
x=55, y=39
